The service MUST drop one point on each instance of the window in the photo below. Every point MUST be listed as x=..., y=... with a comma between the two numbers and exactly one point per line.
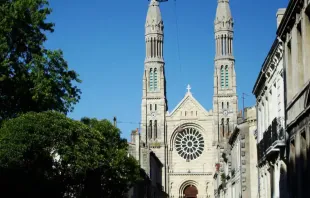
x=222, y=76
x=223, y=126
x=155, y=129
x=151, y=79
x=227, y=105
x=228, y=125
x=155, y=107
x=150, y=107
x=226, y=76
x=222, y=105
x=189, y=144
x=155, y=79
x=150, y=130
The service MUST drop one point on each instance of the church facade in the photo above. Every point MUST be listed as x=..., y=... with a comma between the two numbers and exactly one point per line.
x=186, y=139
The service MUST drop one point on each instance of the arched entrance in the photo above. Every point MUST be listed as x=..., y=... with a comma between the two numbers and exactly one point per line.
x=190, y=191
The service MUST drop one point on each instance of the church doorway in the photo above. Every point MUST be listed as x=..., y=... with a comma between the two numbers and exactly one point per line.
x=190, y=191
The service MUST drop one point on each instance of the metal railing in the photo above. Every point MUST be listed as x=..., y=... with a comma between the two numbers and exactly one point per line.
x=273, y=137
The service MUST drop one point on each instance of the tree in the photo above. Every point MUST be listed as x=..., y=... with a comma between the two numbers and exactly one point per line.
x=48, y=155
x=32, y=78
x=121, y=171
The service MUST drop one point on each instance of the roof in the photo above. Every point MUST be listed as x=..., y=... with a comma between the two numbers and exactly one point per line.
x=156, y=158
x=240, y=127
x=288, y=18
x=188, y=96
x=269, y=60
x=261, y=76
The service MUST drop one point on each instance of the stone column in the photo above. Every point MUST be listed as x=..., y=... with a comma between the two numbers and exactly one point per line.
x=276, y=179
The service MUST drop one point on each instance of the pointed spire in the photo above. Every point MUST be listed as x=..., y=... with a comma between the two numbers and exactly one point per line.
x=154, y=33
x=223, y=18
x=153, y=13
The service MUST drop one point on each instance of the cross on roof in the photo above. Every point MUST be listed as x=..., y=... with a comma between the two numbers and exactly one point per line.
x=188, y=88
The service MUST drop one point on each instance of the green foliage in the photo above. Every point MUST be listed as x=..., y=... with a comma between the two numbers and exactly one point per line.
x=32, y=78
x=121, y=170
x=48, y=155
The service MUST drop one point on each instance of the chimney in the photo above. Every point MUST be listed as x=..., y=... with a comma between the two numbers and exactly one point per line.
x=134, y=135
x=114, y=121
x=280, y=14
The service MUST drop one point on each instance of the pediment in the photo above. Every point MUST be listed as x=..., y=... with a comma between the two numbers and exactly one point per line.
x=189, y=107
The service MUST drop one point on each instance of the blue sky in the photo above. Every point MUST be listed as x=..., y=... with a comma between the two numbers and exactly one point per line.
x=104, y=42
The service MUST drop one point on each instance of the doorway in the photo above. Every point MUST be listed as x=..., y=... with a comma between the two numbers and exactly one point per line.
x=190, y=191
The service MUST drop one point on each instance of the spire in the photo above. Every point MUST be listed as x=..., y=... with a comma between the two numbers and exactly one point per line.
x=223, y=18
x=154, y=33
x=153, y=13
x=223, y=28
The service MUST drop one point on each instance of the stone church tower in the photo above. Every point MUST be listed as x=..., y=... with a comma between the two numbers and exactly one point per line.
x=185, y=139
x=225, y=100
x=154, y=103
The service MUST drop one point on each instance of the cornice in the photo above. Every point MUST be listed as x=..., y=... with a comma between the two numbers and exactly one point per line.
x=190, y=173
x=269, y=66
x=288, y=20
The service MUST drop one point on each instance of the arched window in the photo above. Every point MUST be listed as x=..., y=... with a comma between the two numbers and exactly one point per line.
x=227, y=125
x=226, y=76
x=155, y=79
x=151, y=79
x=222, y=76
x=155, y=129
x=222, y=105
x=152, y=47
x=227, y=122
x=150, y=130
x=223, y=126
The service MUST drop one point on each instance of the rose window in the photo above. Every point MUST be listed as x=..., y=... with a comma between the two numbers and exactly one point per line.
x=189, y=144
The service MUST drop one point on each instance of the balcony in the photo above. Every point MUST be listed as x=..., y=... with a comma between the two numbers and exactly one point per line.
x=273, y=140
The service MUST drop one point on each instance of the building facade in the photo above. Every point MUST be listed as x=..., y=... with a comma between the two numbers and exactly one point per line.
x=294, y=32
x=185, y=139
x=150, y=184
x=269, y=93
x=238, y=177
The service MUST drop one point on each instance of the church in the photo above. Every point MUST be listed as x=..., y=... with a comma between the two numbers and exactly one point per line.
x=186, y=139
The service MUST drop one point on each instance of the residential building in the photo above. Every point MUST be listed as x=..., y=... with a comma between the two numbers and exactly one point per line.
x=238, y=177
x=269, y=93
x=294, y=32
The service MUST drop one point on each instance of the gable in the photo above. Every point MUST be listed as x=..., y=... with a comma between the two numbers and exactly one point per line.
x=189, y=107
